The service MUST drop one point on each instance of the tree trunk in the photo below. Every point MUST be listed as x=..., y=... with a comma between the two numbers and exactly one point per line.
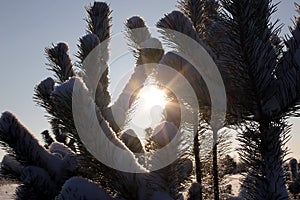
x=215, y=166
x=198, y=164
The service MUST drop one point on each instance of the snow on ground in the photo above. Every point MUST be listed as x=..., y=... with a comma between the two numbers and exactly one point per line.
x=7, y=191
x=235, y=181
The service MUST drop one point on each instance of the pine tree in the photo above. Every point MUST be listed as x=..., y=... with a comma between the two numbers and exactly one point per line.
x=58, y=171
x=262, y=84
x=269, y=78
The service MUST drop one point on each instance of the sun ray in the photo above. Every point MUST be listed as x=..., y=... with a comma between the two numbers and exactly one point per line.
x=151, y=96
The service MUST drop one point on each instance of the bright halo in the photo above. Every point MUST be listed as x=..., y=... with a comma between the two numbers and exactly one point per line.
x=150, y=96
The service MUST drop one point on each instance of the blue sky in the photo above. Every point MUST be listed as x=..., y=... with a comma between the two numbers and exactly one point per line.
x=27, y=27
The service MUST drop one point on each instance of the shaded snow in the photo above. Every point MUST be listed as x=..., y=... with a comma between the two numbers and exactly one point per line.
x=235, y=181
x=7, y=191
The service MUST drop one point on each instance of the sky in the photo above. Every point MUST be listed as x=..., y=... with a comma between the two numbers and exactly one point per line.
x=27, y=27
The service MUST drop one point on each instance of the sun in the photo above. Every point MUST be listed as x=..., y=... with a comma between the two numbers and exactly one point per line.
x=151, y=96
x=149, y=110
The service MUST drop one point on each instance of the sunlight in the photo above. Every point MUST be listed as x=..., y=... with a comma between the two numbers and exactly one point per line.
x=149, y=110
x=150, y=96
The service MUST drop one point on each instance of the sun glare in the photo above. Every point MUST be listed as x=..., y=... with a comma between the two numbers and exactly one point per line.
x=150, y=97
x=149, y=110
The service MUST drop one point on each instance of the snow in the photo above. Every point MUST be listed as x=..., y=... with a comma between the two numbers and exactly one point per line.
x=81, y=188
x=164, y=133
x=7, y=191
x=235, y=181
x=60, y=149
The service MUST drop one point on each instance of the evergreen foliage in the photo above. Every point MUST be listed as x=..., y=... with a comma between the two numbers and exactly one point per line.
x=261, y=76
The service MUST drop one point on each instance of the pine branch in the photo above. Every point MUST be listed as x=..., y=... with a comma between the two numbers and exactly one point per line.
x=264, y=157
x=190, y=73
x=137, y=32
x=124, y=183
x=175, y=151
x=147, y=51
x=94, y=68
x=194, y=10
x=62, y=111
x=40, y=180
x=42, y=93
x=42, y=97
x=251, y=41
x=287, y=73
x=60, y=61
x=86, y=45
x=94, y=53
x=128, y=185
x=10, y=165
x=99, y=20
x=194, y=192
x=99, y=23
x=202, y=13
x=20, y=141
x=210, y=15
x=199, y=86
x=62, y=107
x=28, y=192
x=28, y=150
x=47, y=138
x=131, y=140
x=87, y=111
x=60, y=149
x=176, y=21
x=77, y=188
